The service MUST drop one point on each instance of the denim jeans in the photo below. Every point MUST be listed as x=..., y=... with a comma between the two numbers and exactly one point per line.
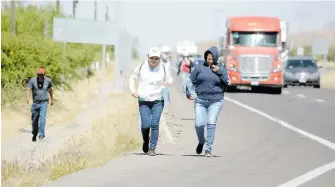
x=206, y=113
x=184, y=77
x=39, y=113
x=150, y=116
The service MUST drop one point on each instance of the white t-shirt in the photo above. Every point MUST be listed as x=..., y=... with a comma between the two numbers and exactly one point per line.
x=150, y=87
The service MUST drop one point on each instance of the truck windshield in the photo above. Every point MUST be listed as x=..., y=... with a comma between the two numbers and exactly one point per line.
x=262, y=39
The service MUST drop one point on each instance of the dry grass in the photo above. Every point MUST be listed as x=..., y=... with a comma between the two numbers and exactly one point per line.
x=83, y=96
x=327, y=65
x=113, y=133
x=328, y=80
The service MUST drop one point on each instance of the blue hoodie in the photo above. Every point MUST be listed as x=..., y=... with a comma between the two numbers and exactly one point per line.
x=208, y=84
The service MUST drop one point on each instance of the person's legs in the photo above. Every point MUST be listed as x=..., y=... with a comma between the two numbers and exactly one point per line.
x=184, y=81
x=145, y=113
x=156, y=112
x=213, y=112
x=200, y=107
x=35, y=116
x=43, y=115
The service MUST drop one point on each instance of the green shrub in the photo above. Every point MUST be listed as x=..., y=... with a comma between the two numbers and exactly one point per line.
x=33, y=47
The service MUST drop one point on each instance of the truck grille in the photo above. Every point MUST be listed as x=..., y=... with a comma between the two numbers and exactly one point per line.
x=255, y=64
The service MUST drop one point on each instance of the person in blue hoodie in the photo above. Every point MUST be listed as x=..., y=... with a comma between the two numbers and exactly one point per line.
x=206, y=87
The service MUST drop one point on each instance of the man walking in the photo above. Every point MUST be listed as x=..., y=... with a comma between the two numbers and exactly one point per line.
x=40, y=86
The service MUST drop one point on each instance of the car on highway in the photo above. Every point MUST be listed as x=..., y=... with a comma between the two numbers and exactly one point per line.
x=301, y=70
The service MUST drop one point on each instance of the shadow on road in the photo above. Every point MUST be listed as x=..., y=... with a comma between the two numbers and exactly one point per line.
x=158, y=154
x=258, y=90
x=200, y=155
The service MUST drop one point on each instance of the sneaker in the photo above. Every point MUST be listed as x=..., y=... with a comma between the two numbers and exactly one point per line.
x=208, y=154
x=145, y=147
x=152, y=152
x=199, y=148
x=34, y=139
x=42, y=138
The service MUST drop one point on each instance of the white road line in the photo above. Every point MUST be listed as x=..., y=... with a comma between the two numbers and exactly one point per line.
x=320, y=100
x=309, y=176
x=301, y=95
x=322, y=141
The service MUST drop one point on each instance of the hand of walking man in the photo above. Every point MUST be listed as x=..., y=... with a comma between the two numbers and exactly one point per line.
x=134, y=95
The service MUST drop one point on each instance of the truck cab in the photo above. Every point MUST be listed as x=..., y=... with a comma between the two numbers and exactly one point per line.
x=252, y=52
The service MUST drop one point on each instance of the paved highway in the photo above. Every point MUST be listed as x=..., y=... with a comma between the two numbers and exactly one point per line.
x=262, y=140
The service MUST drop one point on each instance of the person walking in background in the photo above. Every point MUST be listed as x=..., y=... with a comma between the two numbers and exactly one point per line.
x=40, y=86
x=205, y=86
x=165, y=57
x=185, y=68
x=153, y=78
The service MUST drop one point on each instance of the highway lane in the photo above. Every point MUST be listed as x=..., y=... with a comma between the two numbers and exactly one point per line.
x=325, y=96
x=303, y=112
x=250, y=150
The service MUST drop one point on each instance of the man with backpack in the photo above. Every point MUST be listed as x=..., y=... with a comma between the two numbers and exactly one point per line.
x=40, y=86
x=153, y=78
x=185, y=67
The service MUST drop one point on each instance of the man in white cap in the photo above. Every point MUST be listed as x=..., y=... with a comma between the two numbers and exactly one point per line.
x=153, y=78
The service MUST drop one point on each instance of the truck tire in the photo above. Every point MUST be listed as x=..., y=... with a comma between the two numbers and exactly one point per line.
x=277, y=91
x=230, y=89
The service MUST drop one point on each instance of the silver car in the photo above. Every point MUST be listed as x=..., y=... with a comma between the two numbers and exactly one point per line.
x=301, y=71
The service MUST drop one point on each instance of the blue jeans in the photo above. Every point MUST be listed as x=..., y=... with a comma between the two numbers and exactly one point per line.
x=206, y=113
x=184, y=77
x=150, y=116
x=38, y=117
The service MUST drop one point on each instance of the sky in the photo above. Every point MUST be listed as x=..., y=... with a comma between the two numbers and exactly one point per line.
x=167, y=22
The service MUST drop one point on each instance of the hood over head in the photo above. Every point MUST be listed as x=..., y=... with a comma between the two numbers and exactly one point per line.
x=215, y=52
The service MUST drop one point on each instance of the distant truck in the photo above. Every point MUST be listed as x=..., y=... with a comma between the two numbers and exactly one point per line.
x=186, y=47
x=252, y=52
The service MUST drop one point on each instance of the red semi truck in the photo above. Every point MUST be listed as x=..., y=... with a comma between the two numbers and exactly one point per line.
x=252, y=52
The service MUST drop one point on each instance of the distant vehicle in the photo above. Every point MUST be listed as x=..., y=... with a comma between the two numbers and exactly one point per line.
x=301, y=71
x=252, y=52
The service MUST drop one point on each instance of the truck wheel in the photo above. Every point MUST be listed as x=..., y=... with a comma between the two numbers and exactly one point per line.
x=277, y=90
x=316, y=86
x=230, y=89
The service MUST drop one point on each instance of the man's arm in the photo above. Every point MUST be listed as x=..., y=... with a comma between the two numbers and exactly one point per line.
x=28, y=90
x=50, y=90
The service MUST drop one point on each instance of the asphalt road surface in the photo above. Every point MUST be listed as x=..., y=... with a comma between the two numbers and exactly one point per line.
x=261, y=140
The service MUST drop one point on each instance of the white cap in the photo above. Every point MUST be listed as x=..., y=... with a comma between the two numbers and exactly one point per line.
x=154, y=52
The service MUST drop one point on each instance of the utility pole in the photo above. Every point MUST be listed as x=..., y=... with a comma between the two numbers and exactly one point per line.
x=95, y=9
x=13, y=18
x=74, y=6
x=58, y=6
x=107, y=14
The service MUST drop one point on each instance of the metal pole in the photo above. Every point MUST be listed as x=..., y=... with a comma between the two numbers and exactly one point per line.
x=58, y=6
x=95, y=9
x=63, y=75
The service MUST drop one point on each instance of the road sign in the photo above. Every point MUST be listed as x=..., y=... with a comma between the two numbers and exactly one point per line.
x=300, y=51
x=86, y=31
x=320, y=46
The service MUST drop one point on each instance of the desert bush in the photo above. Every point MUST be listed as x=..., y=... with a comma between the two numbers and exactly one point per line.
x=32, y=47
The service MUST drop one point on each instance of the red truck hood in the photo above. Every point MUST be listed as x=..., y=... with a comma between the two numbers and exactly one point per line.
x=237, y=51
